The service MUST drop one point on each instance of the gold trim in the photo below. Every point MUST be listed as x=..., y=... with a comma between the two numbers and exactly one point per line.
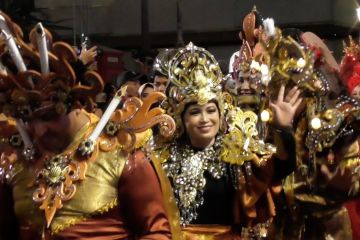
x=70, y=223
x=143, y=138
x=350, y=162
x=172, y=210
x=73, y=221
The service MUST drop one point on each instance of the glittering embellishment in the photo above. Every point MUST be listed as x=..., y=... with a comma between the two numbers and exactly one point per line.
x=259, y=231
x=86, y=147
x=241, y=144
x=186, y=169
x=7, y=168
x=29, y=153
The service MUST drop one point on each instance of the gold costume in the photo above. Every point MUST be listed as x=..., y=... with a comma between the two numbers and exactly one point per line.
x=238, y=159
x=327, y=140
x=65, y=173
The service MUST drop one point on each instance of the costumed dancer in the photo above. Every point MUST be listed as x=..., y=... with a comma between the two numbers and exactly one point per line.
x=350, y=76
x=215, y=172
x=327, y=138
x=247, y=81
x=65, y=173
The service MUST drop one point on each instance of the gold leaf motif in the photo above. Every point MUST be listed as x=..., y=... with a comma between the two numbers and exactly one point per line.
x=56, y=184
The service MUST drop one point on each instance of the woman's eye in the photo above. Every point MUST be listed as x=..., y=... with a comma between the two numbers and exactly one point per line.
x=194, y=112
x=211, y=110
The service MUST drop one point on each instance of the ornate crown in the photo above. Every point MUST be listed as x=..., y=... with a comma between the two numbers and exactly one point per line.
x=289, y=62
x=194, y=76
x=161, y=62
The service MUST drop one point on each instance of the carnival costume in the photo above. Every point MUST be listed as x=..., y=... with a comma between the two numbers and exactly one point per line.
x=327, y=137
x=250, y=76
x=99, y=186
x=350, y=76
x=220, y=192
x=247, y=78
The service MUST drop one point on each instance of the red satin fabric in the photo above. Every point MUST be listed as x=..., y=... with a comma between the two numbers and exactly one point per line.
x=353, y=208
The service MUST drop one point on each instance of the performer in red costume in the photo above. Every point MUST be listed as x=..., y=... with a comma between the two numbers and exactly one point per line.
x=350, y=76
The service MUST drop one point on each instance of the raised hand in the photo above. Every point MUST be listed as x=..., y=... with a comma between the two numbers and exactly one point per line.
x=88, y=56
x=285, y=107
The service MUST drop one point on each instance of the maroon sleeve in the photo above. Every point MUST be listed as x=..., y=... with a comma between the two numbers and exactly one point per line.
x=8, y=224
x=141, y=199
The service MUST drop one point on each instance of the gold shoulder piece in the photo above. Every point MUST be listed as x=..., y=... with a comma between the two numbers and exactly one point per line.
x=241, y=143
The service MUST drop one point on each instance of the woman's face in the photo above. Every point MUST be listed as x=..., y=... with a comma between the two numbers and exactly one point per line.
x=202, y=123
x=146, y=92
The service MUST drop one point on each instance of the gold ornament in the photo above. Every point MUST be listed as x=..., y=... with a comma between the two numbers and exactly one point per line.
x=195, y=76
x=241, y=143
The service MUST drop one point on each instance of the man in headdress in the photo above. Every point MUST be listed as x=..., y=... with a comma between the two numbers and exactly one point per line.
x=65, y=173
x=245, y=64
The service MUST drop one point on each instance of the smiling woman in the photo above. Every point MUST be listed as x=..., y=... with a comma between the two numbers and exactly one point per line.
x=214, y=178
x=202, y=124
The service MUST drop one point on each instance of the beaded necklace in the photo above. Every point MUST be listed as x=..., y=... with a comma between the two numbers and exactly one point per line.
x=186, y=168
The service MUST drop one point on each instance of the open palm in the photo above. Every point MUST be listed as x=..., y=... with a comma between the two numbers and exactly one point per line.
x=285, y=107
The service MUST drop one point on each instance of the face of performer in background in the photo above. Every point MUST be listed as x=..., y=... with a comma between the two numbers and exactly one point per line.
x=202, y=123
x=356, y=92
x=160, y=83
x=146, y=91
x=132, y=88
x=248, y=91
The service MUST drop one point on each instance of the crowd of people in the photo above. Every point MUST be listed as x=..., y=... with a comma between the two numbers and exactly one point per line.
x=269, y=151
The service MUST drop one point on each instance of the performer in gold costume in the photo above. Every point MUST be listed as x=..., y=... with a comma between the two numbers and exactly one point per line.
x=327, y=139
x=65, y=173
x=215, y=173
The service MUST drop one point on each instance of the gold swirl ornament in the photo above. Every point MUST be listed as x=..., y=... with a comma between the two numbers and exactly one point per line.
x=128, y=127
x=241, y=143
x=56, y=184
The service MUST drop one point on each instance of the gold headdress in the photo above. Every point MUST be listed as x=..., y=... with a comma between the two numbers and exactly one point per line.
x=289, y=62
x=162, y=60
x=194, y=76
x=51, y=86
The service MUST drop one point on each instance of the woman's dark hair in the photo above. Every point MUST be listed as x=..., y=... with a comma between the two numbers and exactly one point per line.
x=183, y=138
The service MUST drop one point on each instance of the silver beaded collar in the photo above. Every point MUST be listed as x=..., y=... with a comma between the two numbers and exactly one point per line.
x=185, y=168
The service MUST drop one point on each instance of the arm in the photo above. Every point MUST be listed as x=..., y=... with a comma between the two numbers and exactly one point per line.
x=284, y=109
x=285, y=159
x=142, y=201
